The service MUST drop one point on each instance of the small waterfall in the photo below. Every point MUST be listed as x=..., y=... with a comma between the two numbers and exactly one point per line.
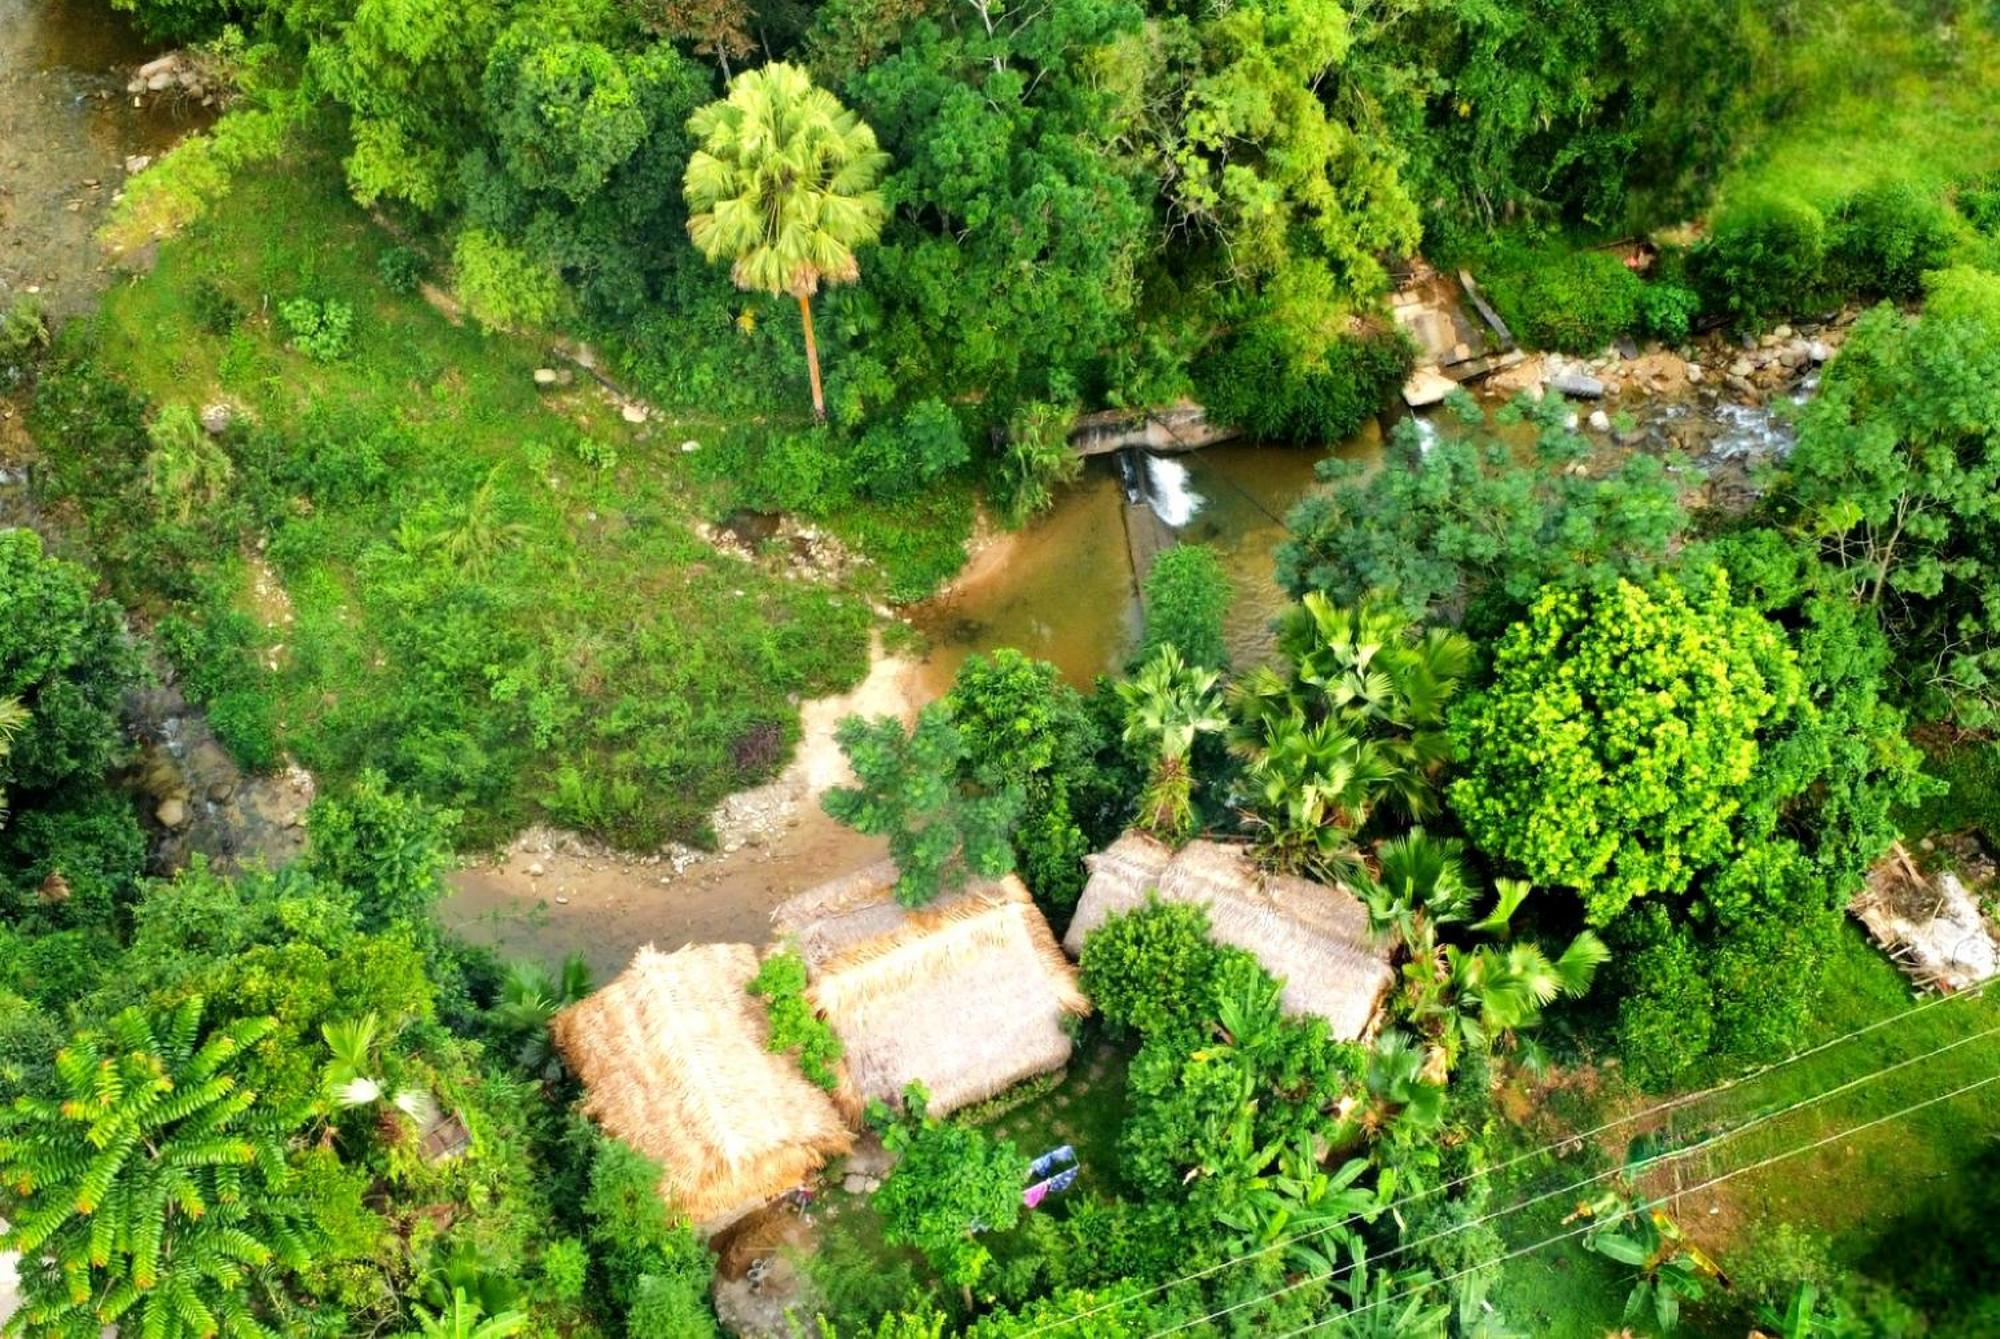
x=1172, y=498
x=1427, y=434
x=1749, y=432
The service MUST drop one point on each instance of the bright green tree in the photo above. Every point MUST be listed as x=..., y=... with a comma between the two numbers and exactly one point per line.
x=941, y=834
x=783, y=187
x=952, y=1181
x=1620, y=738
x=148, y=1187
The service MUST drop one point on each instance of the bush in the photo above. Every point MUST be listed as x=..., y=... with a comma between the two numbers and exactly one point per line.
x=1667, y=311
x=1979, y=201
x=214, y=309
x=1577, y=302
x=503, y=286
x=401, y=269
x=24, y=333
x=1764, y=258
x=896, y=460
x=1886, y=237
x=1666, y=1018
x=322, y=331
x=795, y=1026
x=1152, y=968
x=1252, y=382
x=1187, y=595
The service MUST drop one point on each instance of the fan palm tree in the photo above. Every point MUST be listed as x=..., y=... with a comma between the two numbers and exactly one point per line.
x=13, y=718
x=529, y=998
x=1313, y=787
x=1168, y=705
x=1458, y=997
x=783, y=187
x=1417, y=875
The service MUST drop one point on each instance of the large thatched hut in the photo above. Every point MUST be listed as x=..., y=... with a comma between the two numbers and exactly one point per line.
x=1313, y=936
x=674, y=1061
x=967, y=995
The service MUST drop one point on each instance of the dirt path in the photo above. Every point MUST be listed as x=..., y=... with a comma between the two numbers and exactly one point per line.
x=550, y=894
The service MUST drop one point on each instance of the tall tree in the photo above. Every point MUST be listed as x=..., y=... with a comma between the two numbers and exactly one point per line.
x=783, y=186
x=146, y=1189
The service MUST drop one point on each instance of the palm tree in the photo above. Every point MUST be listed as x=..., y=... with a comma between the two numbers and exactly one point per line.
x=353, y=1077
x=1417, y=875
x=1458, y=997
x=783, y=187
x=1168, y=705
x=1314, y=785
x=465, y=1318
x=529, y=998
x=13, y=719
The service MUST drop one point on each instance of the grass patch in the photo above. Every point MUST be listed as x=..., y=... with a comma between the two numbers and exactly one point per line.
x=1970, y=770
x=420, y=560
x=1857, y=1193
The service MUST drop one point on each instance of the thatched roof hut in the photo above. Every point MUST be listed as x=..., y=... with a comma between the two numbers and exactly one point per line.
x=674, y=1061
x=967, y=995
x=1313, y=936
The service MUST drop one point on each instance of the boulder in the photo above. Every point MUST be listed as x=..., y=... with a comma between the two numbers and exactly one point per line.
x=172, y=812
x=1427, y=386
x=1819, y=350
x=1600, y=421
x=546, y=376
x=163, y=80
x=1578, y=385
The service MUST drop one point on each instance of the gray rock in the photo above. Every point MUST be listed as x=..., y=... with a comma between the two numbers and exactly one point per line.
x=1782, y=332
x=1694, y=373
x=163, y=80
x=1578, y=385
x=1600, y=421
x=854, y=1183
x=536, y=870
x=1742, y=367
x=220, y=791
x=138, y=162
x=216, y=418
x=1427, y=386
x=634, y=413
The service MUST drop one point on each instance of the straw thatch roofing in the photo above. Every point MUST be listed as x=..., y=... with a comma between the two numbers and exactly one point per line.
x=966, y=995
x=1314, y=937
x=673, y=1060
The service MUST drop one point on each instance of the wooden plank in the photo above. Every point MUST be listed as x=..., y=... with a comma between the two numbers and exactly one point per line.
x=1485, y=310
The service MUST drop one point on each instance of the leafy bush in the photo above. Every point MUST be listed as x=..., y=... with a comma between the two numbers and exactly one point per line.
x=388, y=850
x=503, y=286
x=215, y=310
x=656, y=1270
x=321, y=330
x=1886, y=237
x=1979, y=201
x=1254, y=383
x=795, y=1027
x=401, y=268
x=1666, y=1017
x=1667, y=311
x=1153, y=968
x=950, y=1182
x=1187, y=595
x=24, y=333
x=1764, y=258
x=897, y=459
x=1577, y=301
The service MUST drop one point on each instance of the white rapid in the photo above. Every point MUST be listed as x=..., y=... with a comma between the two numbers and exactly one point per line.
x=1172, y=497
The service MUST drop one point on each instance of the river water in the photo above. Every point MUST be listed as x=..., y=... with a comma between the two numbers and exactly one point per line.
x=1063, y=588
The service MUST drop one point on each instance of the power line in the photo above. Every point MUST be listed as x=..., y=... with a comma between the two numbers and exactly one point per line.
x=1671, y=1104
x=1649, y=1205
x=1643, y=1165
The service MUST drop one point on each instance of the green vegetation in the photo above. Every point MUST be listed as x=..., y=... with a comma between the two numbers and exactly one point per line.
x=795, y=1027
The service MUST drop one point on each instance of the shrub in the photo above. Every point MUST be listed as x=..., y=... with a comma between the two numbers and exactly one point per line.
x=1187, y=595
x=1666, y=1018
x=1886, y=237
x=503, y=286
x=1252, y=382
x=214, y=309
x=781, y=983
x=322, y=331
x=401, y=269
x=1979, y=202
x=1764, y=258
x=895, y=460
x=1667, y=311
x=388, y=850
x=1577, y=302
x=1152, y=968
x=24, y=333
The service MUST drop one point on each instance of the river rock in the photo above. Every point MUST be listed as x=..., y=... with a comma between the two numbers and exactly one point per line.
x=1742, y=367
x=1783, y=332
x=216, y=418
x=1819, y=351
x=1427, y=386
x=546, y=376
x=1600, y=421
x=690, y=446
x=1577, y=385
x=159, y=65
x=172, y=812
x=137, y=163
x=163, y=80
x=633, y=413
x=1693, y=372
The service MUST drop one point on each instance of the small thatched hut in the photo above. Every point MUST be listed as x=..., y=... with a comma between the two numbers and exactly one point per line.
x=1315, y=937
x=966, y=995
x=673, y=1060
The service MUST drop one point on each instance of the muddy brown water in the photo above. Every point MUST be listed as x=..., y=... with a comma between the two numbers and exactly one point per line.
x=1063, y=588
x=67, y=127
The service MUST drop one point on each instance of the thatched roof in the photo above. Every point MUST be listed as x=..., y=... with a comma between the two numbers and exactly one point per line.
x=1314, y=937
x=966, y=995
x=673, y=1060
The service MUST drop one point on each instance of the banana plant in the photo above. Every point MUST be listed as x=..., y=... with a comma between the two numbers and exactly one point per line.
x=1311, y=1210
x=1385, y=1304
x=464, y=1318
x=1669, y=1268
